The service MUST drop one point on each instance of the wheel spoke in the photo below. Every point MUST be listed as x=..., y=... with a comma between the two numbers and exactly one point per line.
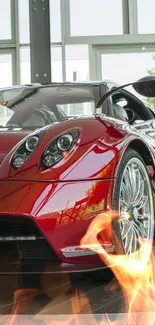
x=123, y=203
x=133, y=181
x=140, y=187
x=137, y=230
x=127, y=186
x=143, y=202
x=140, y=195
x=125, y=226
x=138, y=182
x=130, y=242
x=125, y=193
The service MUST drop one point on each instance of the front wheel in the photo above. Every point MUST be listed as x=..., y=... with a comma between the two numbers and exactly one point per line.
x=134, y=202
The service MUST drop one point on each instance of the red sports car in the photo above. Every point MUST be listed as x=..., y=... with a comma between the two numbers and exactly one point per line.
x=68, y=153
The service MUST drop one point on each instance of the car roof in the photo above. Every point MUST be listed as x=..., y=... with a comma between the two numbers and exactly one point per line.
x=74, y=83
x=57, y=84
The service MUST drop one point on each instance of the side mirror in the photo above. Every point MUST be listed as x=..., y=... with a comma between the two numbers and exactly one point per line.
x=145, y=86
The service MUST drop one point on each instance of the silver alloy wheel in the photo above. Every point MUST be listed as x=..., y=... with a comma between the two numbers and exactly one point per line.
x=136, y=208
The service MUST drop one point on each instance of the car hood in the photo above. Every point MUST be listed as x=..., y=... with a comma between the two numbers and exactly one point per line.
x=8, y=139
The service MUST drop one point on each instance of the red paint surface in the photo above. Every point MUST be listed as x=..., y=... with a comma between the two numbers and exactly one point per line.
x=62, y=211
x=8, y=140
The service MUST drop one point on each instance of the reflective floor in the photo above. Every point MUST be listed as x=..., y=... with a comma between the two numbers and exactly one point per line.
x=61, y=297
x=62, y=294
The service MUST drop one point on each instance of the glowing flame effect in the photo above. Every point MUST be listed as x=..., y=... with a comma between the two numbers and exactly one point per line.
x=134, y=275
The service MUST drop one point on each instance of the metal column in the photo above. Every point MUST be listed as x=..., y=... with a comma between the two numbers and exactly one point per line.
x=40, y=41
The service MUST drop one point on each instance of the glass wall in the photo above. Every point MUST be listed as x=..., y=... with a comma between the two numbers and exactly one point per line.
x=24, y=21
x=25, y=66
x=6, y=70
x=146, y=21
x=77, y=29
x=56, y=63
x=55, y=21
x=5, y=19
x=77, y=63
x=89, y=18
x=126, y=67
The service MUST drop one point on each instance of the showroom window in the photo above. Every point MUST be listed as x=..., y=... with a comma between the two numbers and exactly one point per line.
x=77, y=63
x=99, y=17
x=24, y=21
x=146, y=21
x=25, y=69
x=122, y=68
x=77, y=28
x=5, y=19
x=6, y=79
x=56, y=63
x=55, y=21
x=126, y=67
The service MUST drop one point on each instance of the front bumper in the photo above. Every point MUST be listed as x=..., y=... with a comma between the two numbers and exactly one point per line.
x=61, y=213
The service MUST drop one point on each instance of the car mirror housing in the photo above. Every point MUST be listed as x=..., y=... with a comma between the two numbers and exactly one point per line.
x=145, y=86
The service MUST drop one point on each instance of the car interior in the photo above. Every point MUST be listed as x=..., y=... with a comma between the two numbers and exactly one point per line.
x=129, y=108
x=40, y=118
x=36, y=117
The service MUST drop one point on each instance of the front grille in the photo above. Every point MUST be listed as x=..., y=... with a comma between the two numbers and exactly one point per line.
x=18, y=227
x=35, y=250
x=27, y=249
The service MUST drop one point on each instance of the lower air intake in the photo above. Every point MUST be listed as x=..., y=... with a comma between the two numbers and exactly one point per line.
x=22, y=234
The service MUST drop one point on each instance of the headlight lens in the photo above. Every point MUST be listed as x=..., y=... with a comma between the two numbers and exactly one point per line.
x=65, y=142
x=25, y=150
x=32, y=143
x=56, y=150
x=18, y=161
x=48, y=160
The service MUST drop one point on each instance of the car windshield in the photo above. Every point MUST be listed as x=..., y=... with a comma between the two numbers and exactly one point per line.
x=32, y=107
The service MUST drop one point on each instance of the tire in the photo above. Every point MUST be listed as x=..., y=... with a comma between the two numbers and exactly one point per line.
x=136, y=215
x=141, y=192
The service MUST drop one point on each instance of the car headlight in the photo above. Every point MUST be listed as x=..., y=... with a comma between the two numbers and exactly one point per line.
x=65, y=142
x=25, y=149
x=58, y=148
x=31, y=143
x=18, y=161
